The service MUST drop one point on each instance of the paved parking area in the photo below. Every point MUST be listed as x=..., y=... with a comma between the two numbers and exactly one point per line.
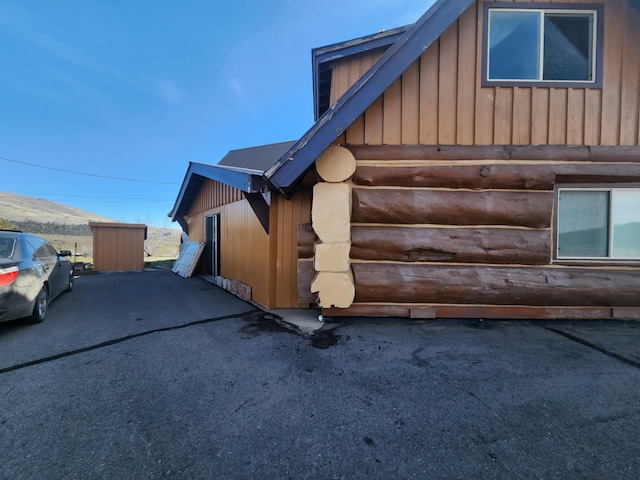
x=147, y=375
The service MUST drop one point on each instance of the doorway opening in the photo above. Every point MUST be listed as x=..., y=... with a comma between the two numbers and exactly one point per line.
x=212, y=245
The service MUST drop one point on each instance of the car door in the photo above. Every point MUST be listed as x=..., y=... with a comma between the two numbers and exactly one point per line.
x=46, y=256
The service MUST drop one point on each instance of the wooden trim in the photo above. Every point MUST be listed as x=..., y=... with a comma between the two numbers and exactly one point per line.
x=564, y=153
x=430, y=311
x=491, y=175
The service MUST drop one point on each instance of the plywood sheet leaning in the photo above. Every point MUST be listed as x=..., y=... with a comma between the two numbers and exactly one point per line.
x=188, y=259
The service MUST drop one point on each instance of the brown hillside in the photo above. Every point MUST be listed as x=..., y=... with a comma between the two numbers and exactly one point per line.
x=18, y=207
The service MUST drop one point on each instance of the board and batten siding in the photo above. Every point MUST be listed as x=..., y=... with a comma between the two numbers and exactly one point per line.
x=118, y=246
x=267, y=262
x=439, y=98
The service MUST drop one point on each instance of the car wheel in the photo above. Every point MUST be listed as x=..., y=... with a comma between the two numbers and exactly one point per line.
x=70, y=285
x=40, y=308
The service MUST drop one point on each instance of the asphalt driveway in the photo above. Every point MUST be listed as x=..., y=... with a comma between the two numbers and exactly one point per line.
x=148, y=375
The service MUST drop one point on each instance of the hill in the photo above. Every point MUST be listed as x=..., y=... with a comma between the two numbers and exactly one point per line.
x=14, y=207
x=67, y=228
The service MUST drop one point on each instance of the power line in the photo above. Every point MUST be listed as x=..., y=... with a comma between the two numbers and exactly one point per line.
x=85, y=174
x=92, y=197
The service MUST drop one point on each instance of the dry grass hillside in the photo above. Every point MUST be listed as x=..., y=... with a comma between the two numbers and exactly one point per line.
x=67, y=227
x=19, y=208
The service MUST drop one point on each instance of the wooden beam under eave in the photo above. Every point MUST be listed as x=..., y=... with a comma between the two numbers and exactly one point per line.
x=260, y=207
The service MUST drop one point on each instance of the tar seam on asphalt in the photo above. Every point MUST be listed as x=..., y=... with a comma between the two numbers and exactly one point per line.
x=594, y=347
x=120, y=340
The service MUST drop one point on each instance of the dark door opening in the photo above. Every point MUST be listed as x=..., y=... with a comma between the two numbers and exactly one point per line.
x=212, y=245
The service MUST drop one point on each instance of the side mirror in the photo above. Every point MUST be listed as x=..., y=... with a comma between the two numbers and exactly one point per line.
x=65, y=253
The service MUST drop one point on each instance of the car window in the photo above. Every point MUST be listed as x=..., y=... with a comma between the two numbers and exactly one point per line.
x=51, y=251
x=7, y=246
x=40, y=247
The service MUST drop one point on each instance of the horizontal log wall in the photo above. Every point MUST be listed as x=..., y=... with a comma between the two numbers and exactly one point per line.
x=450, y=207
x=497, y=285
x=459, y=245
x=441, y=231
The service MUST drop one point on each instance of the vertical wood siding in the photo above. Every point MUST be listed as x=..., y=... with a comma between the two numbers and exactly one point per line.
x=118, y=247
x=266, y=262
x=454, y=109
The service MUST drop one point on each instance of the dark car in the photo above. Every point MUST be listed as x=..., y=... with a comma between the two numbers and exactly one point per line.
x=32, y=273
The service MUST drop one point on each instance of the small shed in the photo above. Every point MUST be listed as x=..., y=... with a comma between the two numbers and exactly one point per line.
x=118, y=246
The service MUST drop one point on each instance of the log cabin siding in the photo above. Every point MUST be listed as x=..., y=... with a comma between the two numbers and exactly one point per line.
x=457, y=230
x=454, y=109
x=454, y=190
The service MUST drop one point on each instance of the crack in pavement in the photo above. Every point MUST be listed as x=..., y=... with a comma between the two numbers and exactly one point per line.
x=115, y=341
x=592, y=346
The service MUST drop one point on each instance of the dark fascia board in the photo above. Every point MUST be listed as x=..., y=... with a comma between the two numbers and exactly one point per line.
x=246, y=180
x=293, y=165
x=336, y=51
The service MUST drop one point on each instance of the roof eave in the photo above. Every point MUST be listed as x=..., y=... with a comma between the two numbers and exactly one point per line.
x=336, y=51
x=292, y=166
x=246, y=180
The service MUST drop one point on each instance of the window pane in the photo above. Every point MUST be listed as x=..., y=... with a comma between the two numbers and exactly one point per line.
x=626, y=223
x=583, y=224
x=514, y=45
x=567, y=46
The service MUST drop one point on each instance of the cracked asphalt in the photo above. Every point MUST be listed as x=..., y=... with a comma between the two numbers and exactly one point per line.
x=148, y=375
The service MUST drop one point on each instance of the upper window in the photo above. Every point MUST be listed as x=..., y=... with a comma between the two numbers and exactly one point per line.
x=542, y=44
x=598, y=223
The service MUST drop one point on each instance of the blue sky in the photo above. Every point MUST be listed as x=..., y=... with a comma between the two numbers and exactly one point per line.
x=135, y=89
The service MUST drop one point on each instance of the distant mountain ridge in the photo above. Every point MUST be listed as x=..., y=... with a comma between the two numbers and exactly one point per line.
x=20, y=208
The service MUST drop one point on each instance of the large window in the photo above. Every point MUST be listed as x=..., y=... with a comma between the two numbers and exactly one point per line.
x=554, y=45
x=598, y=223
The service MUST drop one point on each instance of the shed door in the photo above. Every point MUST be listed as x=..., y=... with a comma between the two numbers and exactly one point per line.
x=212, y=245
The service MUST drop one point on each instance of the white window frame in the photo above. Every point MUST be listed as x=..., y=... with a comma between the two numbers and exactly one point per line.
x=610, y=239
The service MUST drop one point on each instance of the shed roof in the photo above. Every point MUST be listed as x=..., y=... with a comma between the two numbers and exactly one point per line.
x=242, y=169
x=259, y=158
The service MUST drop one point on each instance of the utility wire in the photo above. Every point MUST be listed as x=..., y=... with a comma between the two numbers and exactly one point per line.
x=85, y=174
x=93, y=198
